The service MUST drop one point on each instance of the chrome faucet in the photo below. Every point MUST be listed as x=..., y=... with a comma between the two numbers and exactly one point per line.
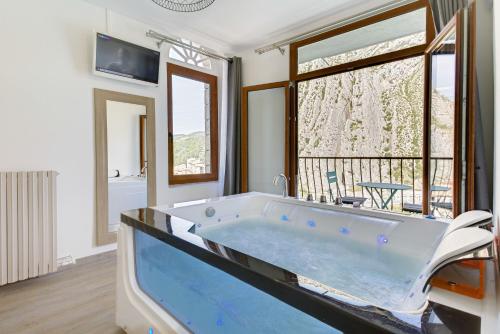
x=276, y=181
x=144, y=169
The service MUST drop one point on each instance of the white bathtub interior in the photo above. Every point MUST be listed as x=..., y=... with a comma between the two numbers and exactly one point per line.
x=127, y=181
x=124, y=194
x=374, y=257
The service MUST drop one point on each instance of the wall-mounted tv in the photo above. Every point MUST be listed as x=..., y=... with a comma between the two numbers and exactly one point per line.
x=122, y=60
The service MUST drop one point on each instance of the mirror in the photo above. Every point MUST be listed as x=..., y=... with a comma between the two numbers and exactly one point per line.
x=125, y=174
x=127, y=169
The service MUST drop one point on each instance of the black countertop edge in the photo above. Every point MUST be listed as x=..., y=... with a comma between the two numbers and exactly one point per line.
x=278, y=282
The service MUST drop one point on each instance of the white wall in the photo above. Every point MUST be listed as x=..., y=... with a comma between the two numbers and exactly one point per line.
x=496, y=190
x=268, y=67
x=46, y=106
x=123, y=136
x=484, y=61
x=273, y=66
x=496, y=42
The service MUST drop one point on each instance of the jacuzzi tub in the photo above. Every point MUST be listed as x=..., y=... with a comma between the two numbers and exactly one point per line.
x=375, y=257
x=258, y=263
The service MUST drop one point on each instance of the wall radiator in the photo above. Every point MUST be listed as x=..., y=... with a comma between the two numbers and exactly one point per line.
x=28, y=241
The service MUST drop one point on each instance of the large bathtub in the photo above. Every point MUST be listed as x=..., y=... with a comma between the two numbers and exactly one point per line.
x=377, y=258
x=259, y=263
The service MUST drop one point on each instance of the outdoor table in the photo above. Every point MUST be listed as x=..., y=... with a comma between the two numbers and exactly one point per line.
x=439, y=188
x=379, y=189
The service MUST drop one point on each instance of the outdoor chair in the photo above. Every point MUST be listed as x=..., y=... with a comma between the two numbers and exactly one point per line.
x=439, y=200
x=413, y=208
x=333, y=179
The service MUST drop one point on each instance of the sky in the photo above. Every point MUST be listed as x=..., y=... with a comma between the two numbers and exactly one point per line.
x=444, y=75
x=188, y=104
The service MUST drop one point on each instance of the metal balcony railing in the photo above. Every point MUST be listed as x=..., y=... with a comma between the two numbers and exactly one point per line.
x=352, y=170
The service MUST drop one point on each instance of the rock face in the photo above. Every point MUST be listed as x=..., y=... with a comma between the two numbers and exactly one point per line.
x=375, y=111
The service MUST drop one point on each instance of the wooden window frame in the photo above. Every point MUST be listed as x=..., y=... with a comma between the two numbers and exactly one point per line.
x=366, y=62
x=455, y=25
x=211, y=80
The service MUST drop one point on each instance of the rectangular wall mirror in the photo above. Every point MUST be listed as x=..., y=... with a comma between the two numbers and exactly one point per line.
x=125, y=146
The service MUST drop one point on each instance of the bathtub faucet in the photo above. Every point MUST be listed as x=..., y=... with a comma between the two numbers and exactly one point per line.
x=285, y=183
x=144, y=169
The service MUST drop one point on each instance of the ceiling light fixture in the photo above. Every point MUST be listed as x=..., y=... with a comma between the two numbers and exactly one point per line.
x=184, y=5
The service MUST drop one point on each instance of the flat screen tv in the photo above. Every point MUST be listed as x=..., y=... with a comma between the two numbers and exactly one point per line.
x=122, y=60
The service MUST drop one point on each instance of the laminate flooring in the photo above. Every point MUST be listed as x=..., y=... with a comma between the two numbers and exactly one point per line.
x=78, y=299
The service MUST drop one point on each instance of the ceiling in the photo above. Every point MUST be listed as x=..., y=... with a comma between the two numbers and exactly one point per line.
x=233, y=26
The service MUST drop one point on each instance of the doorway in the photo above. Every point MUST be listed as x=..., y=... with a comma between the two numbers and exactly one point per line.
x=265, y=136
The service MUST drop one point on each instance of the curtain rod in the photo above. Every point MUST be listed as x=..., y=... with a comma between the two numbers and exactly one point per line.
x=166, y=39
x=279, y=45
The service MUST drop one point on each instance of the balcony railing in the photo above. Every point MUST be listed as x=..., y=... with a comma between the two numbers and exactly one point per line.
x=352, y=170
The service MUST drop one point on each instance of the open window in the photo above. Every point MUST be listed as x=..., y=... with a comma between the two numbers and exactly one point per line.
x=447, y=116
x=387, y=107
x=192, y=125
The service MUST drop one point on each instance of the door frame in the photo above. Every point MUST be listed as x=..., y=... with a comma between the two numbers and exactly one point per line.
x=244, y=128
x=102, y=234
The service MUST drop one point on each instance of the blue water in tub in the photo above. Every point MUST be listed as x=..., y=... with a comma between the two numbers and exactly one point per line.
x=369, y=270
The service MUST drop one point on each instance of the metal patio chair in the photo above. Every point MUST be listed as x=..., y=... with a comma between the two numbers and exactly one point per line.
x=332, y=178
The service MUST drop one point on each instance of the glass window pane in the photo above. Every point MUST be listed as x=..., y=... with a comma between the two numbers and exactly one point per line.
x=367, y=125
x=390, y=35
x=441, y=126
x=191, y=126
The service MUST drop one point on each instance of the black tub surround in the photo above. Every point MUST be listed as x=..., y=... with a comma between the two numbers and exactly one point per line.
x=337, y=310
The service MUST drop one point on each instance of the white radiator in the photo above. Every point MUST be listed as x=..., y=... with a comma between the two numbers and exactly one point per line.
x=28, y=219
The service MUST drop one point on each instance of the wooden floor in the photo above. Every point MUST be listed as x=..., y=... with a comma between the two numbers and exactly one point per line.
x=79, y=298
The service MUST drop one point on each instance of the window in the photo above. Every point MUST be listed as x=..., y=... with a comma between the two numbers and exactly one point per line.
x=360, y=109
x=382, y=37
x=393, y=35
x=189, y=56
x=367, y=125
x=192, y=125
x=444, y=128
